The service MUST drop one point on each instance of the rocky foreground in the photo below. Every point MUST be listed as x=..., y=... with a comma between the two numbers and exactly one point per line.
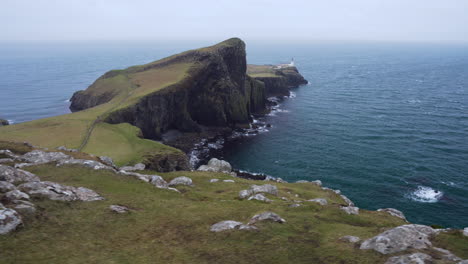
x=86, y=209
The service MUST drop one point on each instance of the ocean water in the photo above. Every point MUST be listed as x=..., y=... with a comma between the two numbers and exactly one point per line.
x=387, y=124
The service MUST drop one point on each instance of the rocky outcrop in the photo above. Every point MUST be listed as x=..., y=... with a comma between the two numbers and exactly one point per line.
x=59, y=192
x=260, y=197
x=216, y=165
x=14, y=175
x=266, y=216
x=254, y=189
x=181, y=181
x=351, y=210
x=9, y=220
x=415, y=258
x=394, y=212
x=280, y=83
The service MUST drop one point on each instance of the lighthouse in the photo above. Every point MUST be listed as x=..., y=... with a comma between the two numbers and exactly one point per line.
x=292, y=62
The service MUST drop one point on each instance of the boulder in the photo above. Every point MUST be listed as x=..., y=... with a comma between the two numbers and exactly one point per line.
x=245, y=193
x=15, y=195
x=321, y=201
x=394, y=212
x=400, y=238
x=214, y=180
x=216, y=165
x=9, y=220
x=24, y=207
x=6, y=187
x=266, y=216
x=465, y=231
x=136, y=167
x=58, y=192
x=119, y=209
x=225, y=225
x=14, y=175
x=107, y=161
x=260, y=197
x=266, y=188
x=415, y=258
x=86, y=195
x=181, y=181
x=92, y=164
x=347, y=200
x=350, y=239
x=350, y=210
x=158, y=181
x=41, y=157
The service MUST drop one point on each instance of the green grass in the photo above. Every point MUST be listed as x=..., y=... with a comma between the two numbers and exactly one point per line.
x=168, y=227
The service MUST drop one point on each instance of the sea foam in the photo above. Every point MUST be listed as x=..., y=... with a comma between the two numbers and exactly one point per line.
x=426, y=194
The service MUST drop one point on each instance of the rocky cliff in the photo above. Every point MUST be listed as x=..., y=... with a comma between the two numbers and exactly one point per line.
x=278, y=80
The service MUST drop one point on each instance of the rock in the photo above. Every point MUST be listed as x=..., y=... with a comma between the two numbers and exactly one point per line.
x=107, y=161
x=119, y=209
x=463, y=262
x=266, y=216
x=447, y=255
x=6, y=187
x=158, y=181
x=8, y=153
x=266, y=188
x=181, y=181
x=337, y=191
x=350, y=210
x=15, y=195
x=216, y=165
x=350, y=239
x=137, y=167
x=284, y=199
x=260, y=197
x=228, y=181
x=225, y=225
x=214, y=180
x=24, y=207
x=9, y=220
x=6, y=160
x=302, y=181
x=400, y=238
x=465, y=231
x=41, y=157
x=394, y=212
x=294, y=205
x=245, y=193
x=415, y=258
x=142, y=177
x=317, y=182
x=58, y=192
x=92, y=164
x=321, y=201
x=63, y=148
x=347, y=200
x=13, y=175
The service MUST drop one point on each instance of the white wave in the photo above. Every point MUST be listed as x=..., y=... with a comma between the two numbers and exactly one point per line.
x=414, y=101
x=67, y=101
x=292, y=95
x=449, y=183
x=426, y=194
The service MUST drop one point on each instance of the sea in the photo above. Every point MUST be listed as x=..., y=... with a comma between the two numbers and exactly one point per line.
x=385, y=123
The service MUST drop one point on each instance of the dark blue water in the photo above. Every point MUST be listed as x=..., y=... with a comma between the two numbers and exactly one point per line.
x=386, y=124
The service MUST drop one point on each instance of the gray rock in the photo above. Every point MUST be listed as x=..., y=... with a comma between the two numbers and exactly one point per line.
x=137, y=167
x=158, y=181
x=119, y=209
x=214, y=180
x=14, y=175
x=266, y=216
x=16, y=195
x=337, y=191
x=260, y=197
x=350, y=239
x=181, y=181
x=347, y=200
x=225, y=225
x=6, y=160
x=6, y=187
x=24, y=207
x=265, y=188
x=394, y=212
x=107, y=161
x=321, y=201
x=63, y=148
x=58, y=192
x=216, y=165
x=463, y=262
x=41, y=157
x=294, y=205
x=228, y=181
x=141, y=177
x=465, y=231
x=400, y=238
x=447, y=255
x=415, y=258
x=245, y=193
x=317, y=182
x=92, y=164
x=8, y=153
x=350, y=210
x=9, y=220
x=302, y=181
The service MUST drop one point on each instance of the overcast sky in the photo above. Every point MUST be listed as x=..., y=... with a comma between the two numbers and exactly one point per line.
x=252, y=20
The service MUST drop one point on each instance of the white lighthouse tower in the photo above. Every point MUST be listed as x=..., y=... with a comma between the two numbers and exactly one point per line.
x=292, y=62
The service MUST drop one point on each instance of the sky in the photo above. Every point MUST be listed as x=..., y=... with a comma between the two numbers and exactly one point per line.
x=252, y=20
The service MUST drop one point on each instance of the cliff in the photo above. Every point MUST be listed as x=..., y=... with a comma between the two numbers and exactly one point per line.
x=278, y=80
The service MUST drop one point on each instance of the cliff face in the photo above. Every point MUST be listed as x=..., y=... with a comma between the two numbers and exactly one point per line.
x=278, y=81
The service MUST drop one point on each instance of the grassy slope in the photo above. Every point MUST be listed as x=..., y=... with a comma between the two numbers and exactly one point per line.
x=261, y=71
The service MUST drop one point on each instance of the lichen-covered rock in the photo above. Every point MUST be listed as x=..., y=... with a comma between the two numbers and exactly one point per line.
x=181, y=181
x=216, y=165
x=92, y=164
x=266, y=188
x=9, y=220
x=260, y=197
x=266, y=216
x=245, y=193
x=6, y=160
x=400, y=238
x=350, y=239
x=6, y=187
x=225, y=225
x=414, y=258
x=321, y=201
x=14, y=175
x=58, y=192
x=158, y=181
x=119, y=209
x=15, y=195
x=136, y=167
x=24, y=207
x=107, y=161
x=394, y=212
x=350, y=210
x=214, y=180
x=40, y=157
x=86, y=195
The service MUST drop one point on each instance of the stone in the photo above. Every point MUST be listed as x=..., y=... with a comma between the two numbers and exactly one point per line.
x=394, y=212
x=158, y=181
x=63, y=148
x=6, y=187
x=8, y=153
x=415, y=258
x=266, y=188
x=266, y=216
x=302, y=181
x=119, y=209
x=351, y=210
x=107, y=161
x=142, y=177
x=181, y=181
x=465, y=231
x=463, y=262
x=136, y=167
x=41, y=157
x=58, y=192
x=317, y=182
x=337, y=191
x=225, y=225
x=400, y=238
x=14, y=175
x=9, y=220
x=16, y=195
x=447, y=255
x=321, y=201
x=228, y=181
x=294, y=205
x=24, y=207
x=6, y=160
x=350, y=239
x=92, y=164
x=245, y=193
x=216, y=165
x=214, y=180
x=347, y=200
x=260, y=197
